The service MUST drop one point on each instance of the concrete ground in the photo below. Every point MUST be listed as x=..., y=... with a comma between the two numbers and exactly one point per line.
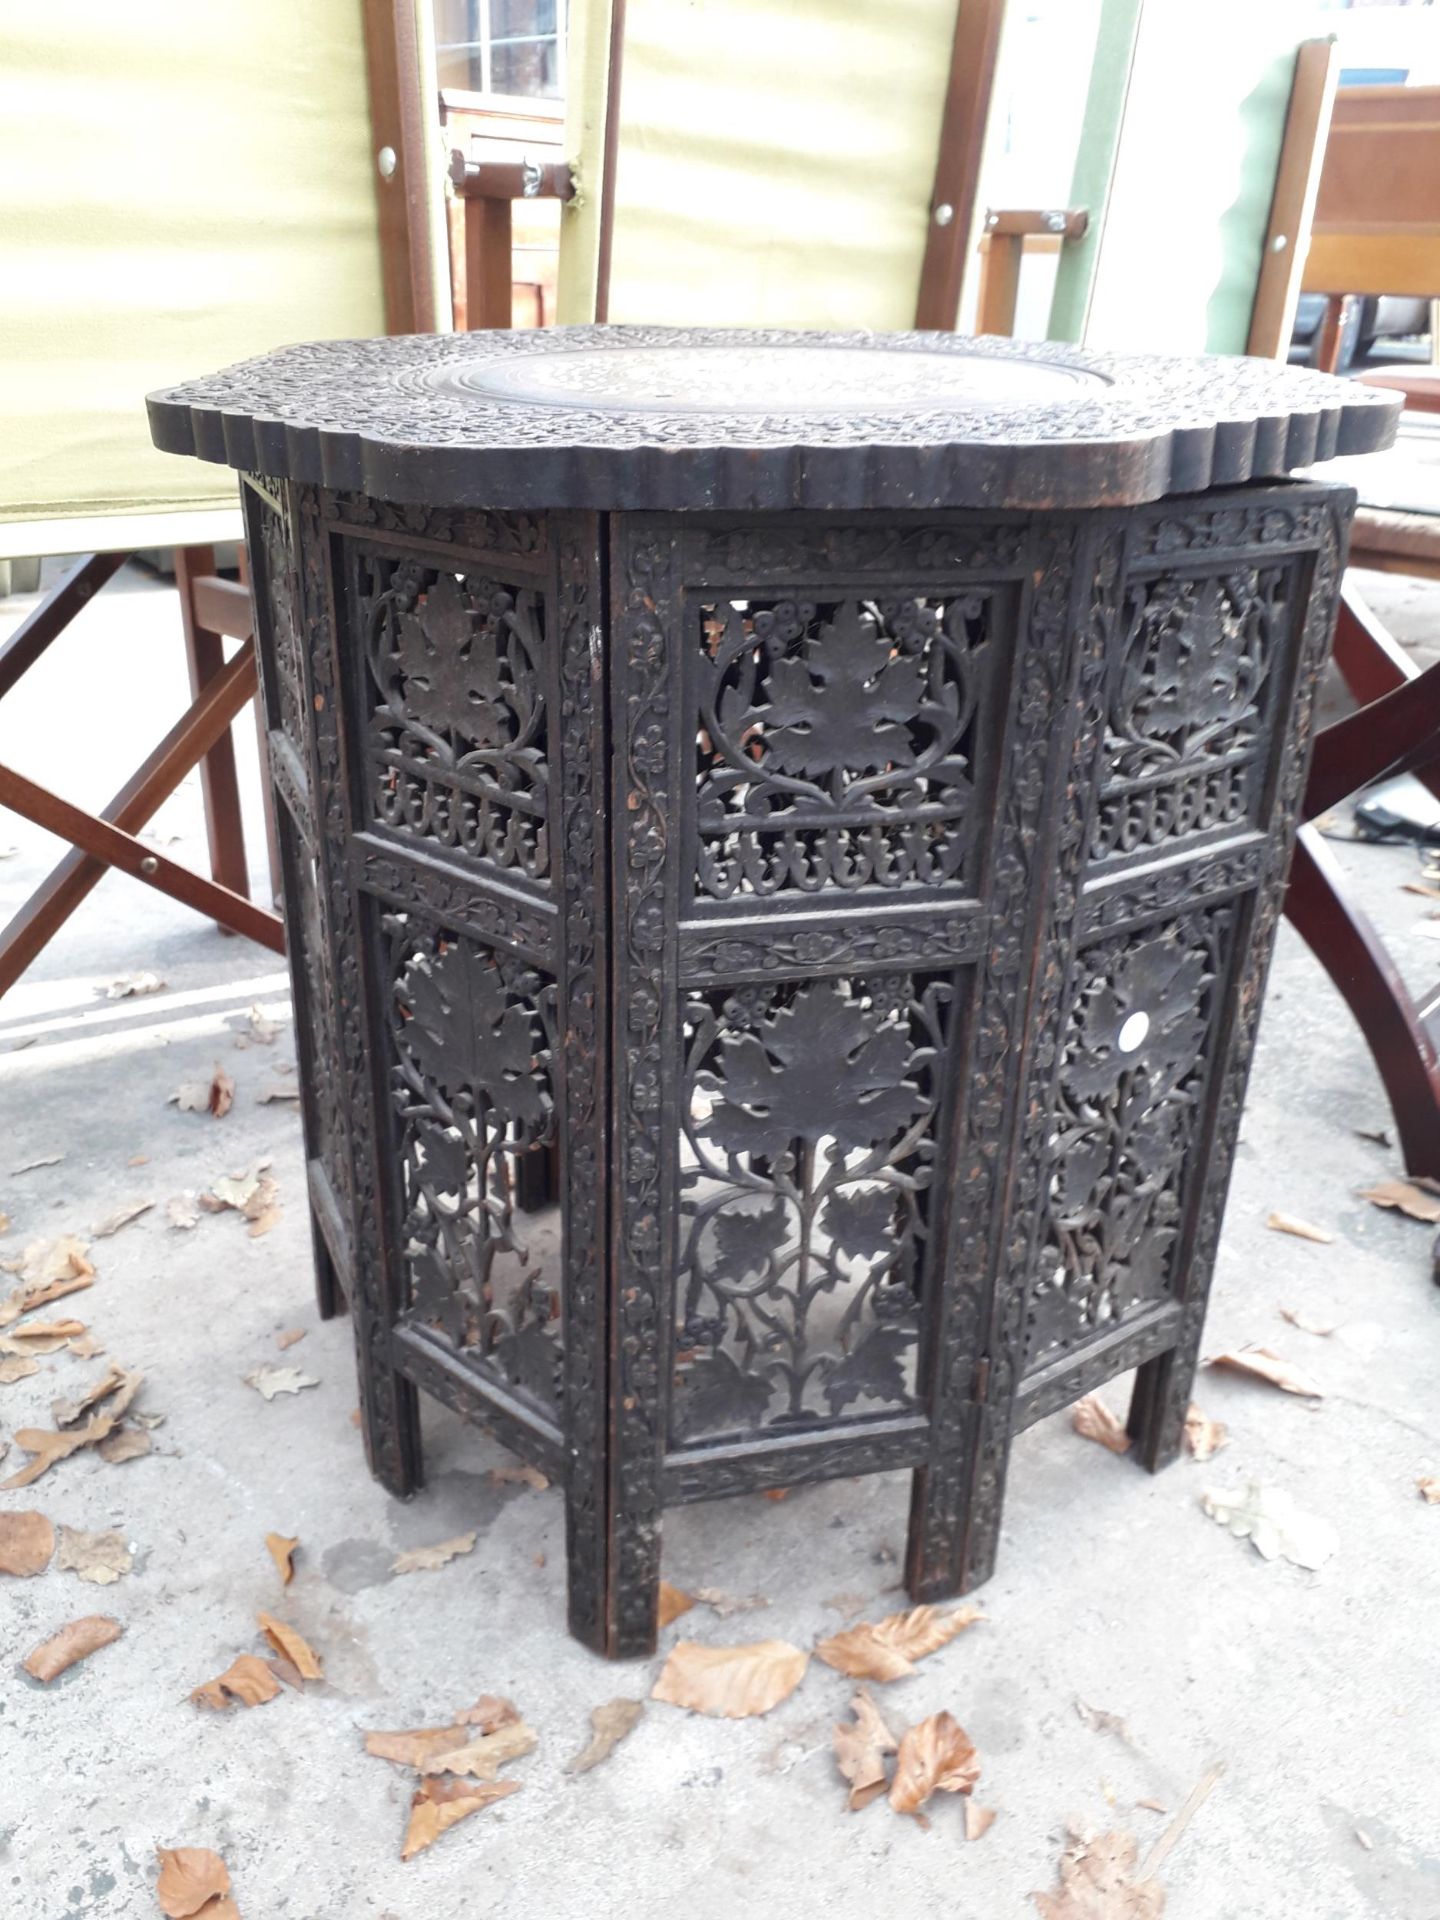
x=1316, y=1691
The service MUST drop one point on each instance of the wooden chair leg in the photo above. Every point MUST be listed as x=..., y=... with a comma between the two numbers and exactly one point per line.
x=1346, y=944
x=219, y=779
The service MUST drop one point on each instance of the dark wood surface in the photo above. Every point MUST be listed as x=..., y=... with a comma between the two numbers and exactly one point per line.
x=682, y=419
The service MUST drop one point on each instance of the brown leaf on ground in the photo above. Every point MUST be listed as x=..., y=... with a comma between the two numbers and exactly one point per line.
x=215, y=1095
x=4, y=1221
x=888, y=1649
x=268, y=1381
x=439, y=1805
x=42, y=1336
x=281, y=1548
x=253, y=1195
x=27, y=1541
x=860, y=1749
x=725, y=1604
x=730, y=1683
x=18, y=1368
x=1093, y=1420
x=1403, y=1196
x=489, y=1713
x=1262, y=1363
x=180, y=1212
x=1429, y=1488
x=284, y=1341
x=272, y=1095
x=847, y=1605
x=1301, y=1229
x=86, y=1347
x=775, y=1493
x=609, y=1725
x=125, y=1443
x=138, y=1160
x=121, y=1218
x=428, y=1559
x=248, y=1681
x=1097, y=1882
x=1099, y=1721
x=291, y=1646
x=518, y=1476
x=936, y=1756
x=48, y=1270
x=130, y=986
x=413, y=1746
x=978, y=1820
x=673, y=1602
x=260, y=1029
x=100, y=1558
x=1322, y=1329
x=46, y=1447
x=1204, y=1436
x=69, y=1413
x=483, y=1758
x=72, y=1643
x=194, y=1881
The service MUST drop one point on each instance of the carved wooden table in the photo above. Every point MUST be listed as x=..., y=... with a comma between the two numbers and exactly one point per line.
x=783, y=836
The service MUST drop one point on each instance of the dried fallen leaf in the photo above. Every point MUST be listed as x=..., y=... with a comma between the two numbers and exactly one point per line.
x=1093, y=1420
x=194, y=1881
x=483, y=1758
x=4, y=1221
x=1301, y=1229
x=284, y=1341
x=887, y=1649
x=291, y=1646
x=731, y=1683
x=609, y=1725
x=121, y=1218
x=1322, y=1329
x=215, y=1095
x=1097, y=1882
x=979, y=1820
x=261, y=1031
x=27, y=1541
x=518, y=1476
x=936, y=1756
x=180, y=1212
x=268, y=1381
x=17, y=1368
x=85, y=1346
x=248, y=1681
x=42, y=1336
x=1261, y=1363
x=49, y=1270
x=428, y=1559
x=125, y=1443
x=1269, y=1518
x=847, y=1605
x=489, y=1713
x=725, y=1604
x=860, y=1749
x=281, y=1548
x=1403, y=1196
x=1204, y=1436
x=69, y=1413
x=1099, y=1721
x=439, y=1805
x=673, y=1602
x=130, y=986
x=72, y=1643
x=100, y=1558
x=413, y=1746
x=47, y=1448
x=271, y=1095
x=1429, y=1486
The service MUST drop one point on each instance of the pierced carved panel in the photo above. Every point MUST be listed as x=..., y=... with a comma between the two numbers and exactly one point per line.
x=836, y=742
x=457, y=739
x=1187, y=729
x=288, y=679
x=809, y=1119
x=1126, y=1116
x=472, y=1079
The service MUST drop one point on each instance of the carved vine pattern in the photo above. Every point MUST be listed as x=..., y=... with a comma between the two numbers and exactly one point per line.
x=458, y=734
x=834, y=747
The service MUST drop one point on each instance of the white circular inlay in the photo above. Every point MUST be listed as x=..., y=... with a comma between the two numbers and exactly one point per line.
x=1132, y=1033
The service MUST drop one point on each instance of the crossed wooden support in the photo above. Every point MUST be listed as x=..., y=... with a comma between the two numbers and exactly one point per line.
x=212, y=608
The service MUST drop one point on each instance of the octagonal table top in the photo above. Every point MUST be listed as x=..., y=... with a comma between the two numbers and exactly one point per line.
x=671, y=419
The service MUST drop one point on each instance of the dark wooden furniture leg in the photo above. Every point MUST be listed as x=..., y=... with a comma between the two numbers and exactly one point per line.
x=219, y=777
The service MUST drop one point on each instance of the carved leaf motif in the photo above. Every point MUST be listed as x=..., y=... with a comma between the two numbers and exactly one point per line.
x=714, y=1395
x=745, y=1239
x=531, y=1359
x=1197, y=673
x=451, y=666
x=875, y=1370
x=861, y=1221
x=1162, y=980
x=822, y=1066
x=839, y=708
x=462, y=1032
x=447, y=1165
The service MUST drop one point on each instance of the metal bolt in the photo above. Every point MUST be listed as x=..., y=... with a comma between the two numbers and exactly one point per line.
x=149, y=864
x=387, y=162
x=1055, y=222
x=1279, y=243
x=944, y=214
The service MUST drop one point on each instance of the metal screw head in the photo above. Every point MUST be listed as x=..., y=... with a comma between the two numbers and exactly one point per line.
x=149, y=864
x=1131, y=1036
x=1280, y=243
x=1055, y=222
x=387, y=161
x=944, y=214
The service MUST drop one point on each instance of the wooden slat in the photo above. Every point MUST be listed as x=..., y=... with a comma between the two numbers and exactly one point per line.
x=219, y=774
x=605, y=249
x=1398, y=260
x=1292, y=205
x=54, y=613
x=489, y=263
x=400, y=118
x=971, y=81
